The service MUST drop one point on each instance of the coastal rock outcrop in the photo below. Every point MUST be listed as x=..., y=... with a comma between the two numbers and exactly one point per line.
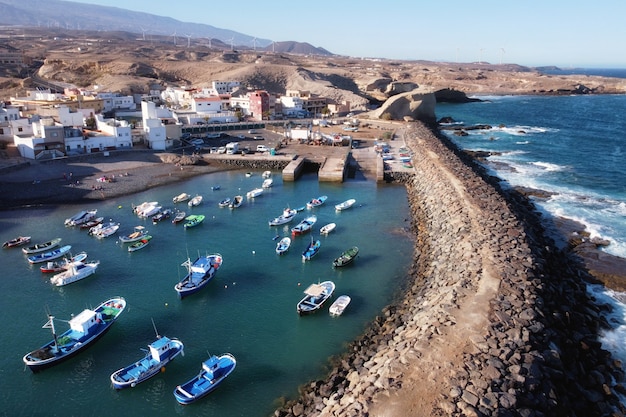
x=417, y=104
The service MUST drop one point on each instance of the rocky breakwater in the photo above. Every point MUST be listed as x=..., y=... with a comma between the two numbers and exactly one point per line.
x=494, y=320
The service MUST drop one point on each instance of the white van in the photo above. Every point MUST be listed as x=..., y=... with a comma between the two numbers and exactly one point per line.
x=262, y=148
x=232, y=148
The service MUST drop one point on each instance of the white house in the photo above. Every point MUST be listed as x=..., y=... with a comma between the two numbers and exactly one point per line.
x=8, y=114
x=114, y=101
x=155, y=129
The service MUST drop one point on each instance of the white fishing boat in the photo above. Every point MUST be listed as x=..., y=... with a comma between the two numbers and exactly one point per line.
x=196, y=201
x=81, y=217
x=326, y=229
x=254, y=193
x=266, y=174
x=267, y=183
x=337, y=308
x=286, y=217
x=180, y=198
x=75, y=272
x=283, y=245
x=345, y=205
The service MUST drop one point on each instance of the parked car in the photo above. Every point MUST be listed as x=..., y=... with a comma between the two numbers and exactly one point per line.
x=262, y=148
x=241, y=136
x=197, y=142
x=258, y=137
x=252, y=131
x=221, y=149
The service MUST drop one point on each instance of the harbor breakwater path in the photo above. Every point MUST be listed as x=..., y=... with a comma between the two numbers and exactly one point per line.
x=494, y=319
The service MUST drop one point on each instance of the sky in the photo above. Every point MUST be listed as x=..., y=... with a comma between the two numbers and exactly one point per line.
x=565, y=33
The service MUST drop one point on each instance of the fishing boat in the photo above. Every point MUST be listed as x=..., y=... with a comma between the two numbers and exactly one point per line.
x=337, y=308
x=59, y=266
x=145, y=207
x=316, y=202
x=85, y=329
x=139, y=232
x=315, y=296
x=107, y=231
x=179, y=217
x=345, y=205
x=160, y=352
x=326, y=229
x=248, y=174
x=148, y=209
x=163, y=215
x=254, y=193
x=304, y=226
x=266, y=174
x=287, y=216
x=193, y=220
x=267, y=183
x=140, y=244
x=181, y=198
x=225, y=202
x=49, y=256
x=236, y=202
x=18, y=241
x=311, y=250
x=42, y=247
x=283, y=245
x=75, y=272
x=215, y=187
x=346, y=257
x=214, y=371
x=91, y=223
x=196, y=201
x=81, y=217
x=199, y=273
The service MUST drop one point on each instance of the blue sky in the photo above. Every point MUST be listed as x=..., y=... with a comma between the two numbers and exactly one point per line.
x=566, y=33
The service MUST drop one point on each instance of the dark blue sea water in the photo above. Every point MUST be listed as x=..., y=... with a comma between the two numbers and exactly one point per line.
x=572, y=146
x=249, y=309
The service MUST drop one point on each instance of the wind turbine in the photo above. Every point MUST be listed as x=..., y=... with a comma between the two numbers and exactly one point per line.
x=501, y=54
x=143, y=33
x=188, y=40
x=254, y=44
x=174, y=35
x=232, y=45
x=209, y=39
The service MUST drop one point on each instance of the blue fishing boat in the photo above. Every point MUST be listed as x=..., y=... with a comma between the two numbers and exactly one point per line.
x=49, y=256
x=160, y=352
x=311, y=250
x=214, y=371
x=316, y=202
x=315, y=296
x=199, y=273
x=85, y=328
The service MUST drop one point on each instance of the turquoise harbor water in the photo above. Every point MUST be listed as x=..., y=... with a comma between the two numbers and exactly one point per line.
x=249, y=309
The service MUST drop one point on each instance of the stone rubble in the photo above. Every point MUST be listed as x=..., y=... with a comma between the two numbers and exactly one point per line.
x=536, y=353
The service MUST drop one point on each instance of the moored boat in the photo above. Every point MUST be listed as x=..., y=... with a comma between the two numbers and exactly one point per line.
x=266, y=174
x=91, y=223
x=147, y=209
x=59, y=266
x=326, y=229
x=214, y=371
x=304, y=226
x=199, y=273
x=140, y=244
x=287, y=216
x=316, y=202
x=283, y=245
x=42, y=247
x=254, y=193
x=193, y=220
x=311, y=250
x=138, y=233
x=18, y=241
x=315, y=296
x=337, y=308
x=236, y=202
x=347, y=257
x=160, y=352
x=75, y=272
x=179, y=217
x=345, y=205
x=195, y=201
x=267, y=183
x=85, y=328
x=180, y=198
x=163, y=215
x=225, y=202
x=107, y=231
x=81, y=217
x=49, y=256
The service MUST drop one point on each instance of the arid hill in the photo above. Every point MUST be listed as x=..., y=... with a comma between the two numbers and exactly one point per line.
x=123, y=62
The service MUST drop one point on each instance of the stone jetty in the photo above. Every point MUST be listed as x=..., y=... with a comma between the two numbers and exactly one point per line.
x=494, y=319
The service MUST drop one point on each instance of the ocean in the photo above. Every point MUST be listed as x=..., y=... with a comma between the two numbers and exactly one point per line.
x=571, y=146
x=248, y=309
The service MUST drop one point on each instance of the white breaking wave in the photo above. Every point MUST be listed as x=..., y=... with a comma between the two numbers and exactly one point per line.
x=548, y=166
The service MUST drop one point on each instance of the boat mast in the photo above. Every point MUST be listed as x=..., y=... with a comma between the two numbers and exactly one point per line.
x=50, y=325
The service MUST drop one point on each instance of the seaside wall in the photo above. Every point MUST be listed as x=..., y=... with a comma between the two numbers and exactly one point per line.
x=494, y=320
